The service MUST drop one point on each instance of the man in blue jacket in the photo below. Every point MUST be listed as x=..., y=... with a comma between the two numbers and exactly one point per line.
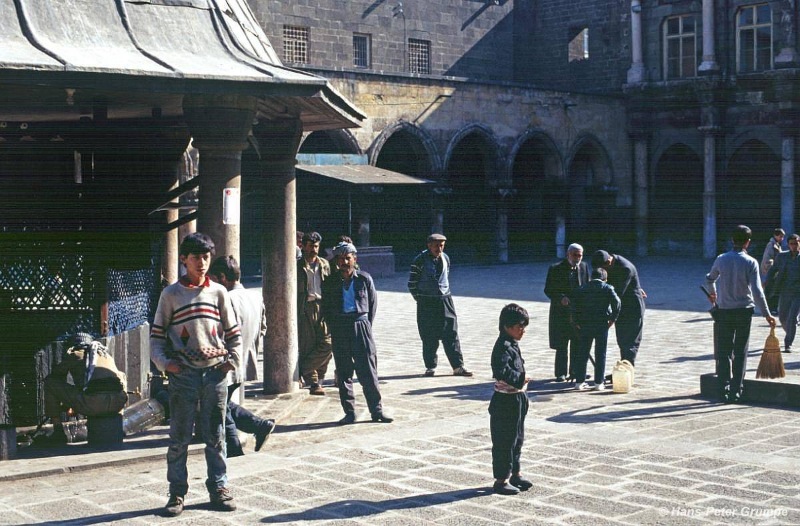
x=349, y=303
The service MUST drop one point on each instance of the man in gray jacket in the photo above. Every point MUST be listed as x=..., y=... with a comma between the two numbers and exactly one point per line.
x=429, y=283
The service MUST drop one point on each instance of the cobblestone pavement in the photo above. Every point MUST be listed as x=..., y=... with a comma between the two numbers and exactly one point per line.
x=657, y=455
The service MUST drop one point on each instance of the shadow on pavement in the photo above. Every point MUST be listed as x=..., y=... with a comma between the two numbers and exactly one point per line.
x=291, y=428
x=459, y=392
x=597, y=413
x=157, y=439
x=115, y=517
x=350, y=509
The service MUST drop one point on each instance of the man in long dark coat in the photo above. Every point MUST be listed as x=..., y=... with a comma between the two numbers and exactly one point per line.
x=563, y=278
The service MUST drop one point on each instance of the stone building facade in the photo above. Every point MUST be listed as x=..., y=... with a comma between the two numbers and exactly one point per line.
x=646, y=126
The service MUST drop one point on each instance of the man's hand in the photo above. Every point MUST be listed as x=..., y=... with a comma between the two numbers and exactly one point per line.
x=226, y=367
x=565, y=301
x=173, y=366
x=713, y=298
x=610, y=323
x=771, y=320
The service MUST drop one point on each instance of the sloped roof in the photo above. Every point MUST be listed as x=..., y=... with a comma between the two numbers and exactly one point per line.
x=171, y=46
x=362, y=174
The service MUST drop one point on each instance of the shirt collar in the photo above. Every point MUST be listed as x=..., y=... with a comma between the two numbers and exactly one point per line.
x=185, y=282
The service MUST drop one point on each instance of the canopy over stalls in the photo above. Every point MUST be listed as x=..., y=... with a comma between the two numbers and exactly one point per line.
x=136, y=56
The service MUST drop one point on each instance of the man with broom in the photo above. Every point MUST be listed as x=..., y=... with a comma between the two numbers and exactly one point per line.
x=737, y=274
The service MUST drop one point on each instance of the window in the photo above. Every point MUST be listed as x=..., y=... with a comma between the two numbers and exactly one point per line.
x=362, y=50
x=419, y=56
x=295, y=44
x=680, y=47
x=754, y=39
x=579, y=46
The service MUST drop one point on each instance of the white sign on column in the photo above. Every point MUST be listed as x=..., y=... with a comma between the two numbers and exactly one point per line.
x=231, y=206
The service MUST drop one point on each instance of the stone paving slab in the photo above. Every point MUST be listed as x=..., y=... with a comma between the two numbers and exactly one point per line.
x=658, y=455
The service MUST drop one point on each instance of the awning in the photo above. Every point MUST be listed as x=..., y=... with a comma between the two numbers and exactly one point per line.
x=362, y=174
x=95, y=48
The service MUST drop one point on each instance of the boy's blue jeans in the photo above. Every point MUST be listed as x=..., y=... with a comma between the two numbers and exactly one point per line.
x=586, y=335
x=187, y=388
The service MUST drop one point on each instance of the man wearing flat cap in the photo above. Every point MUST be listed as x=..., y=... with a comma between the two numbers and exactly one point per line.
x=429, y=283
x=349, y=303
x=623, y=276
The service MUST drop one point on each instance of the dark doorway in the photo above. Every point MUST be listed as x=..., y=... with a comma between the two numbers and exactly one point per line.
x=676, y=203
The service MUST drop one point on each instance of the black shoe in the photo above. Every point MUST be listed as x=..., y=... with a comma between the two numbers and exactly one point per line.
x=521, y=483
x=174, y=506
x=267, y=426
x=382, y=417
x=561, y=378
x=349, y=418
x=233, y=452
x=430, y=372
x=608, y=379
x=461, y=371
x=222, y=500
x=787, y=348
x=505, y=488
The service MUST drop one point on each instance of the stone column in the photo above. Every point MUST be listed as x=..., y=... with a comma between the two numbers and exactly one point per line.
x=561, y=235
x=502, y=223
x=709, y=191
x=219, y=126
x=640, y=193
x=788, y=57
x=278, y=143
x=636, y=73
x=169, y=249
x=787, y=183
x=709, y=63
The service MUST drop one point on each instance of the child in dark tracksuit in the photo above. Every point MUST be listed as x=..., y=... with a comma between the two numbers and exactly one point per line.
x=509, y=403
x=595, y=308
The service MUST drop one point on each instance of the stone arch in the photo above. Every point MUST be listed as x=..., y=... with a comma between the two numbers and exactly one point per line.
x=470, y=212
x=590, y=195
x=495, y=172
x=401, y=215
x=330, y=141
x=675, y=216
x=749, y=192
x=390, y=151
x=536, y=170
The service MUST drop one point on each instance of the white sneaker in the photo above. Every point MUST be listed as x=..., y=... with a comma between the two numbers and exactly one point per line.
x=599, y=387
x=583, y=387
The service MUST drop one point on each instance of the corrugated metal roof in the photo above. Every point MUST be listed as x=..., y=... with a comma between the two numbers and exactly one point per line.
x=191, y=41
x=362, y=174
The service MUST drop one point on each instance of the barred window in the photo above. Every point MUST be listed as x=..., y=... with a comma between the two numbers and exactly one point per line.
x=362, y=50
x=680, y=47
x=419, y=56
x=295, y=44
x=754, y=38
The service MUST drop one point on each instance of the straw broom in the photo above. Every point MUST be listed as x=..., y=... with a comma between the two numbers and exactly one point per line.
x=771, y=363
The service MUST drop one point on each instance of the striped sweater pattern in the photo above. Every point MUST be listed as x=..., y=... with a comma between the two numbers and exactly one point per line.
x=195, y=325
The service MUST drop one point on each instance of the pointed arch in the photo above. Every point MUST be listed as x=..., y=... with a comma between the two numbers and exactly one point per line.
x=330, y=141
x=536, y=170
x=391, y=149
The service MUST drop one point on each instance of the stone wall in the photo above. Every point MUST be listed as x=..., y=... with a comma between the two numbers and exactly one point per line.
x=468, y=39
